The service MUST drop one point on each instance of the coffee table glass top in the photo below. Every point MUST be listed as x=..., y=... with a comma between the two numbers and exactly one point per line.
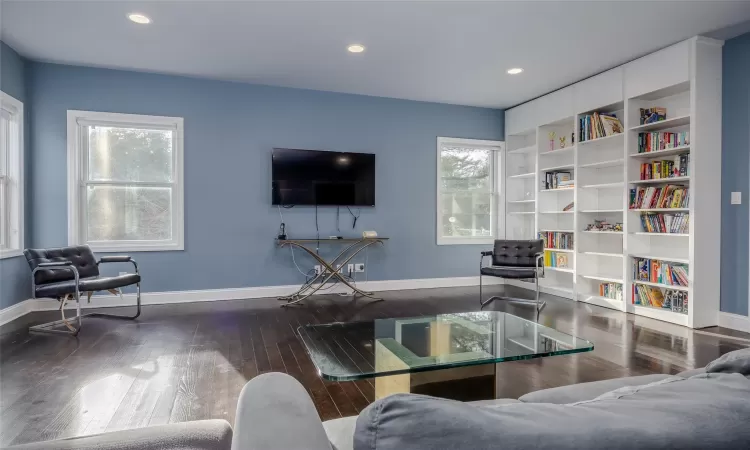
x=383, y=347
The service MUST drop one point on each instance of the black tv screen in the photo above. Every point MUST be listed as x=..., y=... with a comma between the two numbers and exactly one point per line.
x=313, y=177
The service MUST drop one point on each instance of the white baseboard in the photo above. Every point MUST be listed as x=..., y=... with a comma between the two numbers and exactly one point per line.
x=211, y=295
x=734, y=321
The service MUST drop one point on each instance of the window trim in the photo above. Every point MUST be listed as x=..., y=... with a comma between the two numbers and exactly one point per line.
x=77, y=120
x=498, y=148
x=11, y=103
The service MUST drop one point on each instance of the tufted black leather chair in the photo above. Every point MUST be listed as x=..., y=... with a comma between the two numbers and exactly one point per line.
x=68, y=271
x=514, y=259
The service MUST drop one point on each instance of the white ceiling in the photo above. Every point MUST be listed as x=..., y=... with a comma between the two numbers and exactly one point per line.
x=448, y=52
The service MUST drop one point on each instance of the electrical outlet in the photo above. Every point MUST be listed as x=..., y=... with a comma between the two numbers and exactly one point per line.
x=318, y=268
x=736, y=198
x=359, y=267
x=350, y=269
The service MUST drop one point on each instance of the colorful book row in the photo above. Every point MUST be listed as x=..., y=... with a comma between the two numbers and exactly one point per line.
x=611, y=290
x=556, y=259
x=669, y=196
x=663, y=140
x=657, y=170
x=554, y=239
x=598, y=125
x=662, y=272
x=671, y=299
x=665, y=223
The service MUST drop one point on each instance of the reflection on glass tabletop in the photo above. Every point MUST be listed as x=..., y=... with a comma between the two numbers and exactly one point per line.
x=382, y=347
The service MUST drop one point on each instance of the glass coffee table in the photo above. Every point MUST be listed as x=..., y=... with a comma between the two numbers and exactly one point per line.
x=446, y=355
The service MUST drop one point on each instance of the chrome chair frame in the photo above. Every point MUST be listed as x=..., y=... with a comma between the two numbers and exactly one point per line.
x=538, y=273
x=73, y=331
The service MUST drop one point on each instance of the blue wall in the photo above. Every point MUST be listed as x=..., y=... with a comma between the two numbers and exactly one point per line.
x=230, y=129
x=14, y=272
x=735, y=167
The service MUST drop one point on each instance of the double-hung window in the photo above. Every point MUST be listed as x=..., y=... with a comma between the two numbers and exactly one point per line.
x=11, y=176
x=468, y=189
x=125, y=181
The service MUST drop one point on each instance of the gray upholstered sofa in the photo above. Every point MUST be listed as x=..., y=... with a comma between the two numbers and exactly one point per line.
x=701, y=408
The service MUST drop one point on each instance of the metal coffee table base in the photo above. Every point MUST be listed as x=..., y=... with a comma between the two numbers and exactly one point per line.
x=330, y=270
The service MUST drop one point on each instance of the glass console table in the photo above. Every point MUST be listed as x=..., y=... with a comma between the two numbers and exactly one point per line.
x=448, y=355
x=332, y=268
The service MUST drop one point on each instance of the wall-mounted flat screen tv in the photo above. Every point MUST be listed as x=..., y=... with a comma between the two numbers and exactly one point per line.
x=314, y=177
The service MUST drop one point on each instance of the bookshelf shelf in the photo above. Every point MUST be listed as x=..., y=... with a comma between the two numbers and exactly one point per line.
x=558, y=151
x=523, y=175
x=556, y=212
x=548, y=230
x=661, y=285
x=557, y=189
x=663, y=314
x=592, y=142
x=522, y=201
x=603, y=278
x=599, y=211
x=614, y=185
x=661, y=210
x=559, y=269
x=663, y=125
x=604, y=302
x=601, y=232
x=662, y=258
x=645, y=233
x=521, y=213
x=564, y=250
x=661, y=153
x=662, y=180
x=612, y=254
x=557, y=168
x=529, y=149
x=601, y=164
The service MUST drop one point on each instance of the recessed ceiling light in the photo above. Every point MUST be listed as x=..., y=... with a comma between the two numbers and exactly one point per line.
x=356, y=48
x=139, y=18
x=515, y=71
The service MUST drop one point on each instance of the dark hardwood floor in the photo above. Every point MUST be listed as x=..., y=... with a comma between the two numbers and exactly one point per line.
x=190, y=361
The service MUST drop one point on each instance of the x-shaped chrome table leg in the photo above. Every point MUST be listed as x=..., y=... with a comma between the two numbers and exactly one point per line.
x=310, y=288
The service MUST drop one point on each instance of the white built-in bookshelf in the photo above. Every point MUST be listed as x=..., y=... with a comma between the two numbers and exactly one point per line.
x=685, y=79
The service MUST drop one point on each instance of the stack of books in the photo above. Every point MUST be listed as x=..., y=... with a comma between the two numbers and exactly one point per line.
x=556, y=259
x=598, y=125
x=669, y=196
x=556, y=239
x=610, y=290
x=557, y=180
x=651, y=115
x=671, y=299
x=655, y=170
x=653, y=142
x=657, y=271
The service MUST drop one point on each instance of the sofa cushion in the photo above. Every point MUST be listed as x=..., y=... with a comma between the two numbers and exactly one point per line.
x=737, y=361
x=341, y=432
x=691, y=372
x=586, y=391
x=495, y=402
x=705, y=411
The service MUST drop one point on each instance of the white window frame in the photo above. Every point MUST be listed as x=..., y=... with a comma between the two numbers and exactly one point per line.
x=13, y=219
x=497, y=168
x=77, y=160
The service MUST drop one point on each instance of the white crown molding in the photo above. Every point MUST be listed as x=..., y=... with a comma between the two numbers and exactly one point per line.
x=210, y=295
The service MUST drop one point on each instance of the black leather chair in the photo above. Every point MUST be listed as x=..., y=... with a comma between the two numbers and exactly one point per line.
x=518, y=260
x=64, y=272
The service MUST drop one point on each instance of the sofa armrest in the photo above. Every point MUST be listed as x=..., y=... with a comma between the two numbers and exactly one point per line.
x=274, y=412
x=114, y=258
x=200, y=434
